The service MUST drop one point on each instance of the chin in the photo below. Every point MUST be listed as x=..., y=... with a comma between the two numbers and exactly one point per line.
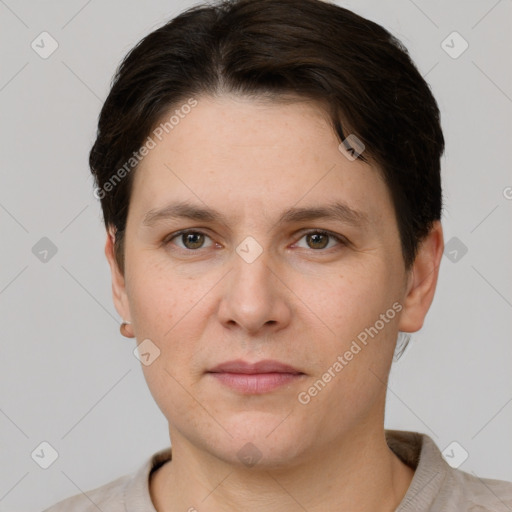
x=262, y=441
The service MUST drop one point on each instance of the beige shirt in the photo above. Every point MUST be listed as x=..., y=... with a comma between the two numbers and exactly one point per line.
x=435, y=487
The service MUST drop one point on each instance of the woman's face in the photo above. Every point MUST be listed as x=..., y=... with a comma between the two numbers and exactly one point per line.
x=257, y=279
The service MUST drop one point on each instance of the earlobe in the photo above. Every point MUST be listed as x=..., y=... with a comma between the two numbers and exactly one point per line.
x=118, y=280
x=422, y=282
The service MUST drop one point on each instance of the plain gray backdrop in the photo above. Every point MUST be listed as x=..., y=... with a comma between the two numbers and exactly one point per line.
x=68, y=378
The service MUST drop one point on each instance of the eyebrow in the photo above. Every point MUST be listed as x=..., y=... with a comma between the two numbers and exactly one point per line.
x=337, y=210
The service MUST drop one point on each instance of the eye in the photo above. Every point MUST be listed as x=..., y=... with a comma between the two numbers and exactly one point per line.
x=191, y=240
x=319, y=239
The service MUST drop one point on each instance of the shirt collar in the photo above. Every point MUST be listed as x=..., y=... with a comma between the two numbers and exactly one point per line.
x=416, y=450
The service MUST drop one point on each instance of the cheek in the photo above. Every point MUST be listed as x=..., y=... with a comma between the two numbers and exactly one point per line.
x=161, y=308
x=158, y=297
x=347, y=302
x=357, y=318
x=168, y=309
x=164, y=314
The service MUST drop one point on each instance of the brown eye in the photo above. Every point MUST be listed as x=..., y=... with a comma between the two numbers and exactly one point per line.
x=317, y=240
x=190, y=240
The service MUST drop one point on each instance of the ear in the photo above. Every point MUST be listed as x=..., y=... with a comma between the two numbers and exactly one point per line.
x=118, y=282
x=422, y=280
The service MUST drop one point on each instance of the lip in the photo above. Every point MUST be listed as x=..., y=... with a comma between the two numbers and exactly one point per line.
x=255, y=378
x=265, y=366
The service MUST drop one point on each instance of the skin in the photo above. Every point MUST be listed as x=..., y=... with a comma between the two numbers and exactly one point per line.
x=301, y=302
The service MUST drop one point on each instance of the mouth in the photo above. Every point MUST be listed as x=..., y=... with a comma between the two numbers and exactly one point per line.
x=255, y=378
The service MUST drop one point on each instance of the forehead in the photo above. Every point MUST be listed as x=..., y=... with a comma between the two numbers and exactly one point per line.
x=231, y=126
x=259, y=154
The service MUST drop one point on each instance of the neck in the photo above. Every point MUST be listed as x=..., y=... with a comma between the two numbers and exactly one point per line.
x=360, y=474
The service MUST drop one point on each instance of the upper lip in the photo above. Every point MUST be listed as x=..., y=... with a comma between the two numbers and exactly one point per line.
x=265, y=366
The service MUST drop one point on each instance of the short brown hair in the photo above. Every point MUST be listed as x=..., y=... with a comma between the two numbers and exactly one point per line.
x=360, y=72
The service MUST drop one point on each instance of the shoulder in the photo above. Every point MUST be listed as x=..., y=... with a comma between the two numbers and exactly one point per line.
x=476, y=494
x=437, y=486
x=127, y=493
x=107, y=498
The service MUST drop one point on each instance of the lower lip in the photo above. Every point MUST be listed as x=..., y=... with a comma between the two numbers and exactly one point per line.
x=257, y=383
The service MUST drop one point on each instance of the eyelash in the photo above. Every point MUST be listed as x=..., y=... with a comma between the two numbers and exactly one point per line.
x=341, y=240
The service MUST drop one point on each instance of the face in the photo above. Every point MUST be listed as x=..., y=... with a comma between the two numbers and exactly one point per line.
x=266, y=268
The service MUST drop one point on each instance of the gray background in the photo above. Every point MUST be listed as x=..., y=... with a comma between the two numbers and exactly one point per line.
x=69, y=378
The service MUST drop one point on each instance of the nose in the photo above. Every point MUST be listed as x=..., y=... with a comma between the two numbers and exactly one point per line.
x=255, y=297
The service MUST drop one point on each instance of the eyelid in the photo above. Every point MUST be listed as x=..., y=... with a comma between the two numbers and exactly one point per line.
x=168, y=239
x=302, y=233
x=339, y=238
